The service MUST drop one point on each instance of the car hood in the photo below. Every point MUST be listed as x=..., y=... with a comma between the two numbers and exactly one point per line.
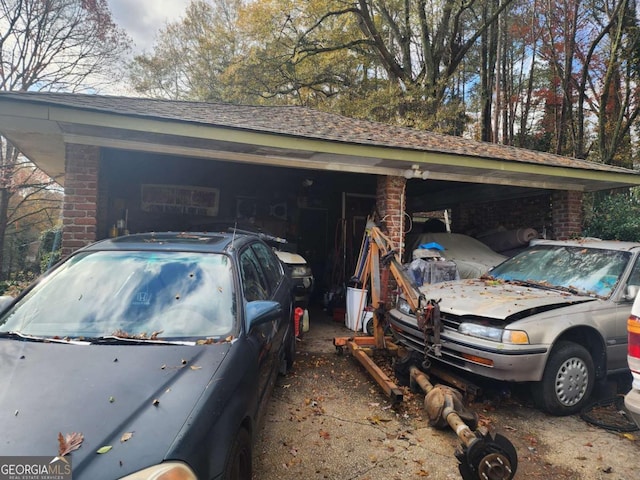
x=496, y=299
x=102, y=392
x=290, y=258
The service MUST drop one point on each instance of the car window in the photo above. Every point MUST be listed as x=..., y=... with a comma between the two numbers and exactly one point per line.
x=141, y=293
x=634, y=277
x=270, y=263
x=589, y=270
x=254, y=285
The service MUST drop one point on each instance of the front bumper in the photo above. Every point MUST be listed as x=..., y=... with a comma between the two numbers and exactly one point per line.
x=499, y=361
x=302, y=288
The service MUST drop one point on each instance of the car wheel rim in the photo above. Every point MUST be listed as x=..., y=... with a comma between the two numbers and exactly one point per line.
x=572, y=381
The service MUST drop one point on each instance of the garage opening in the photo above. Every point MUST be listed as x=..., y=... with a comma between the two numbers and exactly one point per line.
x=321, y=214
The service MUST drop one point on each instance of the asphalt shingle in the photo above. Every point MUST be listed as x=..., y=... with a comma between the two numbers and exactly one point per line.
x=305, y=123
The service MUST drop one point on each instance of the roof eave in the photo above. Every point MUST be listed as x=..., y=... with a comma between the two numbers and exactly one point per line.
x=41, y=131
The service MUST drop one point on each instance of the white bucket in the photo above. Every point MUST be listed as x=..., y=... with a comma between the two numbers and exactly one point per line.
x=356, y=301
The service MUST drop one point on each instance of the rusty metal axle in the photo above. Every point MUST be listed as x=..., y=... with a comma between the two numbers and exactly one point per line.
x=482, y=455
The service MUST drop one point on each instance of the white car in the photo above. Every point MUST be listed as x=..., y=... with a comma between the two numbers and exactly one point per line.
x=472, y=257
x=632, y=399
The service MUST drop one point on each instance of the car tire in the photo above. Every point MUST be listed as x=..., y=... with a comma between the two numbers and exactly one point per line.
x=568, y=380
x=239, y=461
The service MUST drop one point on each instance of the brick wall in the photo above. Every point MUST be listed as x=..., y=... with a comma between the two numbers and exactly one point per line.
x=390, y=207
x=567, y=213
x=80, y=197
x=476, y=218
x=558, y=215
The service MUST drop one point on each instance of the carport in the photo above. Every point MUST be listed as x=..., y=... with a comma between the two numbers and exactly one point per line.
x=147, y=165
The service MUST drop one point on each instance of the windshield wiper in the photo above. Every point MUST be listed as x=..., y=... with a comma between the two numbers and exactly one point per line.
x=116, y=340
x=547, y=286
x=34, y=338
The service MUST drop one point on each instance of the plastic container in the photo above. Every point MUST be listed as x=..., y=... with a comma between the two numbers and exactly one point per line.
x=356, y=301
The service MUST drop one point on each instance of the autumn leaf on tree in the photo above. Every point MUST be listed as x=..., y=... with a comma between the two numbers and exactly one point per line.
x=69, y=442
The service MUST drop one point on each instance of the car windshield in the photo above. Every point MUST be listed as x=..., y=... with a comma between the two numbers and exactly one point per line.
x=135, y=294
x=593, y=271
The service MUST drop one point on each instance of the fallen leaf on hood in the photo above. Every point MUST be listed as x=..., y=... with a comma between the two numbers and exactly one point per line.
x=195, y=367
x=126, y=436
x=69, y=442
x=154, y=335
x=104, y=449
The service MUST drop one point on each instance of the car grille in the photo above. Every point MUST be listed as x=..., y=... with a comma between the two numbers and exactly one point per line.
x=451, y=321
x=408, y=335
x=412, y=341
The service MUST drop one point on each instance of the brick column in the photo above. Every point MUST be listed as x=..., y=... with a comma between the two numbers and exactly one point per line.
x=80, y=197
x=566, y=208
x=390, y=205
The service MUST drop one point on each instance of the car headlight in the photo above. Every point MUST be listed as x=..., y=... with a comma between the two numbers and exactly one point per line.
x=518, y=337
x=164, y=471
x=300, y=271
x=403, y=306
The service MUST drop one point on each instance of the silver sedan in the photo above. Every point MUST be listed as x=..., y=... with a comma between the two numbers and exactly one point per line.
x=554, y=315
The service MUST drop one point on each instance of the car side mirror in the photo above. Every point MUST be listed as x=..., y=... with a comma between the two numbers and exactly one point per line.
x=631, y=292
x=262, y=311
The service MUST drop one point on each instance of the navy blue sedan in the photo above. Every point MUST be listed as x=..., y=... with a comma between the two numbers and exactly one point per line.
x=147, y=356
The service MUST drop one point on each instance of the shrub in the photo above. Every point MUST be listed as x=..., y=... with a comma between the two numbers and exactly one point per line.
x=614, y=217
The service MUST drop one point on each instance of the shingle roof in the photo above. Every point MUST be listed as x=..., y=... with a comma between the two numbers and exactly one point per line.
x=305, y=123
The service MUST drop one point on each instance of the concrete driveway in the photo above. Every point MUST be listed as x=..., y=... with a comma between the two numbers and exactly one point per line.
x=329, y=420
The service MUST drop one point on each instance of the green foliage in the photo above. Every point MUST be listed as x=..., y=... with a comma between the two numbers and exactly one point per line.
x=190, y=55
x=48, y=260
x=49, y=252
x=553, y=85
x=614, y=217
x=16, y=284
x=374, y=60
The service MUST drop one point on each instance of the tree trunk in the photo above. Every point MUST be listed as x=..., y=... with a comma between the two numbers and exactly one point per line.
x=488, y=77
x=5, y=196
